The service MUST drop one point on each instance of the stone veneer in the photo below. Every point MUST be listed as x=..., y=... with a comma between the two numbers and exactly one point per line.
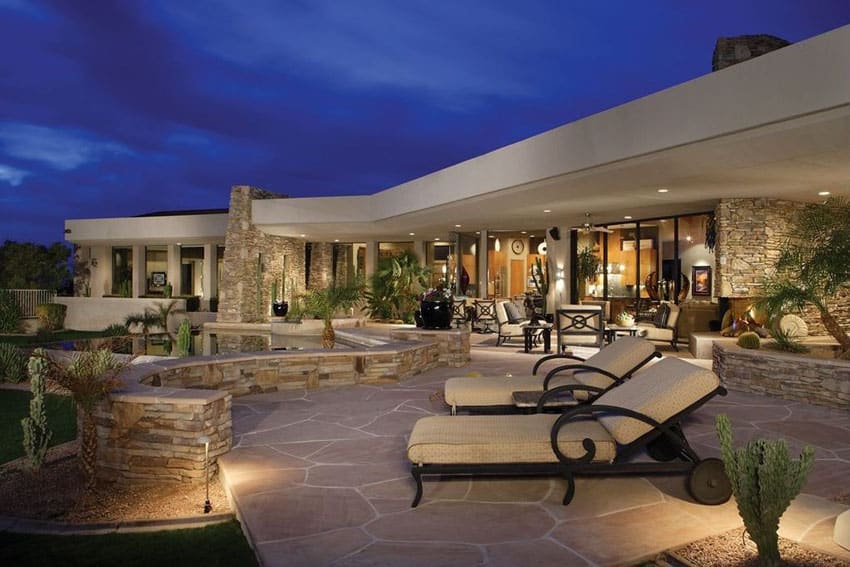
x=730, y=51
x=750, y=234
x=820, y=381
x=149, y=430
x=244, y=245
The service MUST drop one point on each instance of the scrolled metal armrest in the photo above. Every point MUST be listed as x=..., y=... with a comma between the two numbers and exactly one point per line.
x=549, y=357
x=578, y=367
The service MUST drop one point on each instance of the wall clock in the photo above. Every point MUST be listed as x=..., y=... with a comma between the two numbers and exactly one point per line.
x=517, y=246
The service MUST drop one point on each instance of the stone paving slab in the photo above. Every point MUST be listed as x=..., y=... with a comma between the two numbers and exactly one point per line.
x=320, y=478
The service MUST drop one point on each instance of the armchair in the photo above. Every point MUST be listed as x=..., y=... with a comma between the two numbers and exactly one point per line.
x=663, y=327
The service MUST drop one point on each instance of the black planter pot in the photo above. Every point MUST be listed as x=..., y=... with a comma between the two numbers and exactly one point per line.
x=417, y=317
x=280, y=309
x=437, y=314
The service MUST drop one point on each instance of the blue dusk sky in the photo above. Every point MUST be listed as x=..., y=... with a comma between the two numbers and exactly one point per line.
x=118, y=108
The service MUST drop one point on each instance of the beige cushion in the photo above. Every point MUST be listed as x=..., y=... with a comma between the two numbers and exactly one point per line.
x=488, y=439
x=660, y=392
x=793, y=326
x=618, y=358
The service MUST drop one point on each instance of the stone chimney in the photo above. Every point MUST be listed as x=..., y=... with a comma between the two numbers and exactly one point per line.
x=730, y=51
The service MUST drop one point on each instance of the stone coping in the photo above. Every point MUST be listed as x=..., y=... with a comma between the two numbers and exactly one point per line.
x=29, y=526
x=700, y=344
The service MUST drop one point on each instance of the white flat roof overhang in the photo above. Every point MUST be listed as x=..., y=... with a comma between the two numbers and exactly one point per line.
x=185, y=229
x=776, y=126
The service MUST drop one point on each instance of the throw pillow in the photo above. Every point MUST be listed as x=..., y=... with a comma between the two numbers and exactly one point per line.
x=513, y=312
x=661, y=315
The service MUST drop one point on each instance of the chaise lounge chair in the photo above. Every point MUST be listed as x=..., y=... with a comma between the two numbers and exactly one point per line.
x=596, y=438
x=598, y=373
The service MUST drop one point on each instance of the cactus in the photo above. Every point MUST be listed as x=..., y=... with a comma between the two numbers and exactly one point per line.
x=36, y=433
x=749, y=340
x=541, y=280
x=764, y=481
x=184, y=338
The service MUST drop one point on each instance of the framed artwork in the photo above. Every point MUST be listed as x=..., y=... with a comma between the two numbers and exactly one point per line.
x=701, y=278
x=158, y=279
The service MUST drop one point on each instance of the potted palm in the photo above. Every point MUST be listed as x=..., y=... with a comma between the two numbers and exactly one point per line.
x=436, y=308
x=323, y=303
x=587, y=264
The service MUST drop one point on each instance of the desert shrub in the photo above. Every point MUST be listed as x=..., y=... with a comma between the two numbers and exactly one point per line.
x=10, y=313
x=749, y=340
x=785, y=342
x=116, y=330
x=51, y=316
x=764, y=480
x=12, y=364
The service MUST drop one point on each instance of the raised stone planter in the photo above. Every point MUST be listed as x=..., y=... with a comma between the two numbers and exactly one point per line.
x=452, y=343
x=149, y=430
x=818, y=381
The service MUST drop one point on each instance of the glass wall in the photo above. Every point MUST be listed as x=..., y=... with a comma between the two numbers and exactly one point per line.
x=192, y=270
x=468, y=270
x=392, y=249
x=156, y=269
x=122, y=271
x=646, y=261
x=440, y=258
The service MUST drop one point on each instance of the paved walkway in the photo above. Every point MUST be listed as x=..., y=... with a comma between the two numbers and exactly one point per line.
x=320, y=478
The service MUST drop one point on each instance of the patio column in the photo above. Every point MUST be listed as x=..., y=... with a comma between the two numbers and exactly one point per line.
x=371, y=258
x=210, y=272
x=173, y=269
x=419, y=250
x=481, y=253
x=558, y=252
x=139, y=272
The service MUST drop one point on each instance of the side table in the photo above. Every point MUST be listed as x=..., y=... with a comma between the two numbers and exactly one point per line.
x=532, y=332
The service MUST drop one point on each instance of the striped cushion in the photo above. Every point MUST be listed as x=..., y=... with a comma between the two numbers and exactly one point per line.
x=500, y=439
x=660, y=392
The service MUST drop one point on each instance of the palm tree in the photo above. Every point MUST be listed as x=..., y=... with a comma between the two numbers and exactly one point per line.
x=146, y=320
x=813, y=267
x=89, y=377
x=323, y=303
x=166, y=310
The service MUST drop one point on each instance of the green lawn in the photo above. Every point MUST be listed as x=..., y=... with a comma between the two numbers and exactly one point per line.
x=212, y=546
x=15, y=405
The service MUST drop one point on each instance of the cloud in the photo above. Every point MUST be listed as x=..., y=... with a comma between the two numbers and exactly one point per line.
x=11, y=175
x=62, y=149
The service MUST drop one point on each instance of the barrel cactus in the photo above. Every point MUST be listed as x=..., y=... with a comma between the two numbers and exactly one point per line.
x=764, y=480
x=749, y=340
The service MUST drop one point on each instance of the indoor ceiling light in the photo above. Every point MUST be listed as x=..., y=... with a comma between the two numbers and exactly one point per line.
x=457, y=226
x=498, y=245
x=411, y=234
x=336, y=239
x=547, y=210
x=628, y=217
x=663, y=190
x=436, y=238
x=303, y=235
x=522, y=232
x=823, y=193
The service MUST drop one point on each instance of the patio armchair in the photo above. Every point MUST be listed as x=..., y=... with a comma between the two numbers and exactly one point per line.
x=510, y=320
x=460, y=316
x=664, y=325
x=602, y=437
x=485, y=315
x=603, y=370
x=580, y=325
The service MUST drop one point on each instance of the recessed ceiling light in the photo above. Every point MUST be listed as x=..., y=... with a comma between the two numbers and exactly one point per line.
x=663, y=190
x=523, y=232
x=436, y=238
x=531, y=236
x=491, y=236
x=547, y=210
x=823, y=193
x=411, y=234
x=628, y=217
x=336, y=239
x=303, y=235
x=477, y=232
x=457, y=226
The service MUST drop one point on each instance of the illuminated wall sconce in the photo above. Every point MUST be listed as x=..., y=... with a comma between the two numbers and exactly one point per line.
x=498, y=245
x=559, y=274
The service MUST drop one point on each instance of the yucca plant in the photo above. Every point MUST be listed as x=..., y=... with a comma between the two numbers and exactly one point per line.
x=88, y=377
x=813, y=267
x=323, y=303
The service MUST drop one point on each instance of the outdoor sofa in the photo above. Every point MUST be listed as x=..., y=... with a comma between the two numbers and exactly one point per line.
x=601, y=437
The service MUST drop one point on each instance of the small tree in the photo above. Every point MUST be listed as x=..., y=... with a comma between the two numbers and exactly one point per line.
x=764, y=480
x=323, y=303
x=813, y=266
x=89, y=377
x=36, y=433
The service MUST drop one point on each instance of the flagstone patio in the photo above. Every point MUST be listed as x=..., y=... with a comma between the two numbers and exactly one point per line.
x=320, y=478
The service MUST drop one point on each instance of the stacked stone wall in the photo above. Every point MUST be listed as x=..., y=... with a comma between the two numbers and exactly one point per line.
x=253, y=260
x=750, y=235
x=819, y=381
x=153, y=436
x=730, y=51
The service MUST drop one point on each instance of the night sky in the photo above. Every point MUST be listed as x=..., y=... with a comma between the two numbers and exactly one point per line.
x=126, y=107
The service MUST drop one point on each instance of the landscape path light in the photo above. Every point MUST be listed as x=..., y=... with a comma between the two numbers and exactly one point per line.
x=205, y=441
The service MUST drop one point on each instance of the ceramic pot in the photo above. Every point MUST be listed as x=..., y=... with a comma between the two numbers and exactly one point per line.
x=437, y=314
x=280, y=309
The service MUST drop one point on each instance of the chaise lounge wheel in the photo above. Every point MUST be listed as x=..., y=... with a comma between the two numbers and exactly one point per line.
x=708, y=483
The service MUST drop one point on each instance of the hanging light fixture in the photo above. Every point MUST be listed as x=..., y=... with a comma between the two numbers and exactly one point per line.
x=498, y=245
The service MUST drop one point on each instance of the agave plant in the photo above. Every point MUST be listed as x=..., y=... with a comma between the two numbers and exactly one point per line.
x=88, y=377
x=323, y=303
